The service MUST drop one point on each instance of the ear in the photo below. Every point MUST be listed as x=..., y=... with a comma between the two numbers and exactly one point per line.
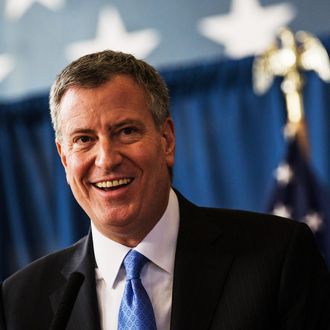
x=61, y=153
x=168, y=137
x=63, y=157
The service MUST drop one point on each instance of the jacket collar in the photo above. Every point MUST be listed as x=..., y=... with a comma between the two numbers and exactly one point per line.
x=85, y=314
x=201, y=266
x=202, y=263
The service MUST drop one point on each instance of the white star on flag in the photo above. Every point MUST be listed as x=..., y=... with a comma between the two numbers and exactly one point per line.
x=314, y=221
x=282, y=211
x=111, y=34
x=283, y=174
x=6, y=65
x=16, y=8
x=248, y=29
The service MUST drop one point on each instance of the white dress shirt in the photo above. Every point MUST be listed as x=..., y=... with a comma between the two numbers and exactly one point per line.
x=157, y=276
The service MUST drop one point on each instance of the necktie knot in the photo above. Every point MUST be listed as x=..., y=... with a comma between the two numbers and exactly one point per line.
x=133, y=263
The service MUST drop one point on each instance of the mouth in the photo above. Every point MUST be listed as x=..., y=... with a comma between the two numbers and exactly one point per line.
x=109, y=185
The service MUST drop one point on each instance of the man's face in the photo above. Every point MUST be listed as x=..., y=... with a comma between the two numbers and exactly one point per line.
x=116, y=159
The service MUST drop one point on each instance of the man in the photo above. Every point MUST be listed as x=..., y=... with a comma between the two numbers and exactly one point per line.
x=205, y=268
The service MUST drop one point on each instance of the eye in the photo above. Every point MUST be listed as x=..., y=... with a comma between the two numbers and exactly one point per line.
x=129, y=134
x=128, y=130
x=83, y=139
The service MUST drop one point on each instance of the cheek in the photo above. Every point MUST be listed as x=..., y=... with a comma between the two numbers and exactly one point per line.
x=76, y=168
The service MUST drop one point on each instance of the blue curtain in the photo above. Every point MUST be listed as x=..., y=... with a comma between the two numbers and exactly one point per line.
x=38, y=213
x=229, y=141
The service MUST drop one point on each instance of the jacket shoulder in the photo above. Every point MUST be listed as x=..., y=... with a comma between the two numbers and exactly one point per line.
x=43, y=268
x=241, y=230
x=261, y=226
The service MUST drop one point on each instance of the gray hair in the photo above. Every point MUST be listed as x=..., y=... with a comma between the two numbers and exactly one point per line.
x=95, y=69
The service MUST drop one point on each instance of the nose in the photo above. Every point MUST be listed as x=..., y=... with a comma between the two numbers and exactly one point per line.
x=108, y=156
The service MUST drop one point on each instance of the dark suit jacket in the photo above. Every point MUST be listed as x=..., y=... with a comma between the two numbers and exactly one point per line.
x=233, y=270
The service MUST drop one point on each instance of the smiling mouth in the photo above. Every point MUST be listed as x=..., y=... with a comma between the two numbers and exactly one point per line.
x=113, y=184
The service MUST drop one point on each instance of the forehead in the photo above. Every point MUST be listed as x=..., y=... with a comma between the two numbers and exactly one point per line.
x=118, y=88
x=119, y=96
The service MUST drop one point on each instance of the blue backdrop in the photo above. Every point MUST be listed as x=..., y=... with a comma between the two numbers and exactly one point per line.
x=229, y=141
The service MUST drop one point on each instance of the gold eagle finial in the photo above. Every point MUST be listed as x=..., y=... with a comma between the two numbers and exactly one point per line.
x=287, y=58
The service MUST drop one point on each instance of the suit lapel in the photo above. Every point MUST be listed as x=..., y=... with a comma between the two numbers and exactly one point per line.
x=201, y=268
x=85, y=313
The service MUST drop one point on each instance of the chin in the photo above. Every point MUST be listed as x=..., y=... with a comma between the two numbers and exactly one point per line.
x=115, y=219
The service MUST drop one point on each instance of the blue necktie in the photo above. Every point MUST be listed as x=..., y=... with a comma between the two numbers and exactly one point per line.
x=135, y=311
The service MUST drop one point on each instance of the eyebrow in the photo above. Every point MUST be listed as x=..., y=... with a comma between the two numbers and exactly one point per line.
x=81, y=131
x=127, y=122
x=112, y=127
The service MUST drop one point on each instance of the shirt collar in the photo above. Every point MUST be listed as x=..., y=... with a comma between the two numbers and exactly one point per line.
x=158, y=246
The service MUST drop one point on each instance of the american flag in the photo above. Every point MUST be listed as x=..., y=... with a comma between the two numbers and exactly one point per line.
x=298, y=194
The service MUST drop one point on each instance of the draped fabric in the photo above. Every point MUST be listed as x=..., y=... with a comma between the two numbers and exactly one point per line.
x=299, y=195
x=229, y=141
x=38, y=212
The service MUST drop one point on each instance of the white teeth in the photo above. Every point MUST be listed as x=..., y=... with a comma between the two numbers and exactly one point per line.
x=113, y=183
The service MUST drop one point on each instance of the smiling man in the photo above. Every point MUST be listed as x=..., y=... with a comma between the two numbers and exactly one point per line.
x=116, y=158
x=153, y=260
